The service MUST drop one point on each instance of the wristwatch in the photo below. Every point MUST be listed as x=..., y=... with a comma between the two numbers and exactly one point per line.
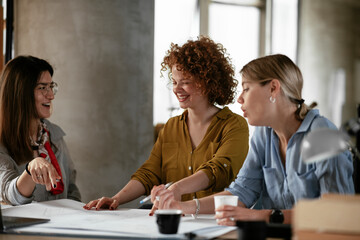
x=276, y=216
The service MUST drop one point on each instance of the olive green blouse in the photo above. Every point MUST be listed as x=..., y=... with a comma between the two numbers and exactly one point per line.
x=220, y=154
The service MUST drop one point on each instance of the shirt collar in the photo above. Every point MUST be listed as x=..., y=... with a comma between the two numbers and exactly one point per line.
x=306, y=123
x=184, y=115
x=222, y=114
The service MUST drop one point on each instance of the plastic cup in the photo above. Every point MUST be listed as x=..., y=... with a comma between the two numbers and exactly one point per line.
x=221, y=200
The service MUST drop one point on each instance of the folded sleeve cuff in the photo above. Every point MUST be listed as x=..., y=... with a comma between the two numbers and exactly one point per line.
x=16, y=198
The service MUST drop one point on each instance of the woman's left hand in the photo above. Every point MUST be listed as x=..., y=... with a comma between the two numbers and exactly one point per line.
x=228, y=215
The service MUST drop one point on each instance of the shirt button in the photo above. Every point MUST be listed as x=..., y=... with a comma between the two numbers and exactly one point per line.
x=189, y=167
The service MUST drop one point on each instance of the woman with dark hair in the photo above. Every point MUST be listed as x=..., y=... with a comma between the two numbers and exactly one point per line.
x=34, y=161
x=273, y=176
x=201, y=150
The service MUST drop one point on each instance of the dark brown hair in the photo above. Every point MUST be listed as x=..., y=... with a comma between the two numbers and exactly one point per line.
x=17, y=104
x=208, y=64
x=279, y=67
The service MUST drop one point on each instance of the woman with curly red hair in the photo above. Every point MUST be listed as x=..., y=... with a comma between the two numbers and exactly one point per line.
x=201, y=150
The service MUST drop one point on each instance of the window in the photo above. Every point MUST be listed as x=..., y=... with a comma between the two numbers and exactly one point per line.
x=175, y=21
x=246, y=29
x=237, y=27
x=284, y=27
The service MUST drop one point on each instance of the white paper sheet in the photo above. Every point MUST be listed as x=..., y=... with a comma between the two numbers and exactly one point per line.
x=69, y=218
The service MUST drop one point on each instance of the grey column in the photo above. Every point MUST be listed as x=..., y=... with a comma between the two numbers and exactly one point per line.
x=102, y=51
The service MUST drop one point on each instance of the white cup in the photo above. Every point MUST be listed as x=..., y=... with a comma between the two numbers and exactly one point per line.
x=221, y=200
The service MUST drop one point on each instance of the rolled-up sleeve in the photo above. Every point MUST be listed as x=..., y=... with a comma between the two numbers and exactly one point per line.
x=248, y=184
x=228, y=155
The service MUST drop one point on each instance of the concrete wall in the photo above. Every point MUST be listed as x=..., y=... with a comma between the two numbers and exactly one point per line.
x=329, y=54
x=102, y=51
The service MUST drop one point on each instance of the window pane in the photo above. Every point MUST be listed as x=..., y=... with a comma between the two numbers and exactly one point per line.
x=237, y=28
x=175, y=21
x=284, y=32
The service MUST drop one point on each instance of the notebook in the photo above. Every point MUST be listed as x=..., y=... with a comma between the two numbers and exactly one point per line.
x=7, y=222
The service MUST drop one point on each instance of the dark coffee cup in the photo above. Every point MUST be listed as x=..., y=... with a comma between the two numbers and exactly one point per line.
x=168, y=220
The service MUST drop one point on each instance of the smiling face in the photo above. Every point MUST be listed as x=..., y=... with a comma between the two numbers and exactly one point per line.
x=43, y=98
x=255, y=103
x=184, y=88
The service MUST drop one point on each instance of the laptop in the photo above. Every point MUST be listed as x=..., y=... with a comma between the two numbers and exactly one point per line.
x=7, y=222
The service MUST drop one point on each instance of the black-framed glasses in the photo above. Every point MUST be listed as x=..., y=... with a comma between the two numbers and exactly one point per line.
x=44, y=88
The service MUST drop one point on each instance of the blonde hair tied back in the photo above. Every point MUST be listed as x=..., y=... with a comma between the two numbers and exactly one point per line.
x=280, y=67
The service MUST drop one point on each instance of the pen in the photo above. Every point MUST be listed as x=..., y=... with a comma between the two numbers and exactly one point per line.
x=148, y=197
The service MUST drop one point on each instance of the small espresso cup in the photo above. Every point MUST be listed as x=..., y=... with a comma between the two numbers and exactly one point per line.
x=221, y=200
x=168, y=220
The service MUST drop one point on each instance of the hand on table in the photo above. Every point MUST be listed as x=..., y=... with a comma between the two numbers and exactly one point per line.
x=102, y=203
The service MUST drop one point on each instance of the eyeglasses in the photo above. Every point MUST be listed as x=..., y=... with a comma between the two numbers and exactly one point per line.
x=44, y=88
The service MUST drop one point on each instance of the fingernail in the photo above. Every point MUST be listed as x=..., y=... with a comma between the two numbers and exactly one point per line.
x=150, y=214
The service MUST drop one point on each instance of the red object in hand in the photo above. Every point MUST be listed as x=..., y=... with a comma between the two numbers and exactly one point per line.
x=60, y=184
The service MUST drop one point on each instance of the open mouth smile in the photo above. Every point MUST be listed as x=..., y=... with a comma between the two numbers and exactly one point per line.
x=46, y=104
x=182, y=98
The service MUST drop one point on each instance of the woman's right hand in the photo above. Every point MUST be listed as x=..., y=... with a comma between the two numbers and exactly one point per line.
x=102, y=203
x=163, y=199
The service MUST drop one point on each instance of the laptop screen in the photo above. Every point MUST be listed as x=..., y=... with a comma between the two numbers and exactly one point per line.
x=7, y=222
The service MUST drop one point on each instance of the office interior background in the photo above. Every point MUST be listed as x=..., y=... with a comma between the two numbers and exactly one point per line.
x=107, y=55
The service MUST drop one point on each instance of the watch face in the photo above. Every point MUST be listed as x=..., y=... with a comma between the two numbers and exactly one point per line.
x=276, y=216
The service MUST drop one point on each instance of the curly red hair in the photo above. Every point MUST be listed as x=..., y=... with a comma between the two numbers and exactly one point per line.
x=208, y=64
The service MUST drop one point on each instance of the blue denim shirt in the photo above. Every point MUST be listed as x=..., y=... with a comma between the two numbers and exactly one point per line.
x=263, y=176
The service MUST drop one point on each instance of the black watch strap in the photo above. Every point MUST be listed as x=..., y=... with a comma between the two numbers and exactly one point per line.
x=276, y=216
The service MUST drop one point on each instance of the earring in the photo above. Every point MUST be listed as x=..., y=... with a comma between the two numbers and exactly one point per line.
x=272, y=100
